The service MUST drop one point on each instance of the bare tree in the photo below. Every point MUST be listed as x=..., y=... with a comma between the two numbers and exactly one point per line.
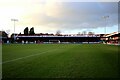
x=58, y=32
x=79, y=33
x=84, y=32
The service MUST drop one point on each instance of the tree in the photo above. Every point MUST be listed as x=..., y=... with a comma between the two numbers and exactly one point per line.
x=31, y=32
x=84, y=32
x=4, y=34
x=79, y=33
x=20, y=33
x=90, y=33
x=58, y=32
x=26, y=31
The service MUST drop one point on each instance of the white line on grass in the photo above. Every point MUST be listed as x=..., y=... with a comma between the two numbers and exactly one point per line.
x=26, y=57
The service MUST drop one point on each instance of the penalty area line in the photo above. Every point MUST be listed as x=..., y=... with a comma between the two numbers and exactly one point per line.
x=26, y=57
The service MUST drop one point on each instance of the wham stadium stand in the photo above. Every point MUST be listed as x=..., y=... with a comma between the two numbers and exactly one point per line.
x=37, y=38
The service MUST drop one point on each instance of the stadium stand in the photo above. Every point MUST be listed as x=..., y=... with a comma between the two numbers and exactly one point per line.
x=51, y=38
x=113, y=38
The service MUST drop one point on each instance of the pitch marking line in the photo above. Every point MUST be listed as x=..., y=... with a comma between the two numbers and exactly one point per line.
x=26, y=57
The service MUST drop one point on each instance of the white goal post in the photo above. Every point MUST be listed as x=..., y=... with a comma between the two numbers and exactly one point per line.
x=54, y=41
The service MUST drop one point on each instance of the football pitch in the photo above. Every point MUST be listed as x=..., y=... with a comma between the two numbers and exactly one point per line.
x=59, y=61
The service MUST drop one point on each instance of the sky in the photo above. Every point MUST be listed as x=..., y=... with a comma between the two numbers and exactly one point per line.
x=68, y=16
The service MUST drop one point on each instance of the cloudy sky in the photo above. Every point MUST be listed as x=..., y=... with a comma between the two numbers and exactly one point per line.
x=68, y=16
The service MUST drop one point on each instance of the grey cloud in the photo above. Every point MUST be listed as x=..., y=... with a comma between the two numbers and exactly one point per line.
x=80, y=15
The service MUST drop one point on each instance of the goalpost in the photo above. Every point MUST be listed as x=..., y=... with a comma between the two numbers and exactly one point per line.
x=54, y=41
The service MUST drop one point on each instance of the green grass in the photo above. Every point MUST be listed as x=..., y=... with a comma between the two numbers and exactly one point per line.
x=60, y=61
